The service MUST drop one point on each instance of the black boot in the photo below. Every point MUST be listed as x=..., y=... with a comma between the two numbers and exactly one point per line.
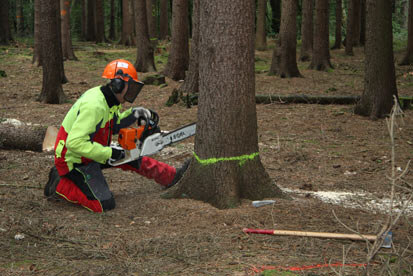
x=179, y=173
x=50, y=188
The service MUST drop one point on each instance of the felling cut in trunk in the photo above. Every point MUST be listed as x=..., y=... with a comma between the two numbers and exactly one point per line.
x=20, y=136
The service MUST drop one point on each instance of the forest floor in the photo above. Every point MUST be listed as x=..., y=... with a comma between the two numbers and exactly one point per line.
x=333, y=163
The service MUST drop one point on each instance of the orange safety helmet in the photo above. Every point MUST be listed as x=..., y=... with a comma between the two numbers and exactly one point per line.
x=120, y=69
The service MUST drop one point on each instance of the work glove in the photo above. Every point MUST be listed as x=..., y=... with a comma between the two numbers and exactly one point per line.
x=141, y=113
x=118, y=153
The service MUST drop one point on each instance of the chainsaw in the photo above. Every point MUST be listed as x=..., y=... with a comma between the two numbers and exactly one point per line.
x=147, y=139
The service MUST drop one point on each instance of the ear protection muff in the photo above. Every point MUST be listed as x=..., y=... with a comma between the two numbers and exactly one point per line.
x=118, y=84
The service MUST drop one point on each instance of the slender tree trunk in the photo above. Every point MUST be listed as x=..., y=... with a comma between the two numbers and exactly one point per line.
x=261, y=34
x=284, y=61
x=321, y=52
x=363, y=23
x=163, y=20
x=353, y=26
x=90, y=23
x=52, y=60
x=227, y=94
x=151, y=17
x=19, y=17
x=339, y=23
x=67, y=48
x=191, y=83
x=408, y=58
x=99, y=21
x=4, y=22
x=127, y=23
x=178, y=59
x=145, y=61
x=307, y=29
x=276, y=15
x=112, y=26
x=37, y=60
x=380, y=80
x=84, y=19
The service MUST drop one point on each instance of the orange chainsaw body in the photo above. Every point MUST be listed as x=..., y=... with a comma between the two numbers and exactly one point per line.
x=128, y=137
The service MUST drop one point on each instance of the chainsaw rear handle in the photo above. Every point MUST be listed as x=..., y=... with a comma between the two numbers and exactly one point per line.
x=151, y=125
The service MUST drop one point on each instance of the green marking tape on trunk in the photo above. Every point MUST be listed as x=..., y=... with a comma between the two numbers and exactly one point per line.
x=241, y=159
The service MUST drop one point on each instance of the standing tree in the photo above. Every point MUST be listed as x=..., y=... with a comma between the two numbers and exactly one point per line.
x=353, y=26
x=408, y=58
x=163, y=20
x=227, y=166
x=52, y=59
x=67, y=48
x=151, y=17
x=321, y=50
x=99, y=21
x=145, y=61
x=90, y=22
x=261, y=34
x=178, y=59
x=5, y=34
x=284, y=59
x=127, y=23
x=19, y=17
x=276, y=15
x=112, y=21
x=363, y=22
x=339, y=22
x=379, y=80
x=191, y=83
x=37, y=38
x=83, y=19
x=307, y=29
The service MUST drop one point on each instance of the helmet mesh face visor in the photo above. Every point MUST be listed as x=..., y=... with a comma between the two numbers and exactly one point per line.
x=133, y=90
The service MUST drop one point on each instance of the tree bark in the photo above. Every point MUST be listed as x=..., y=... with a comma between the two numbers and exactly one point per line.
x=339, y=23
x=191, y=83
x=37, y=60
x=321, y=52
x=145, y=61
x=112, y=21
x=276, y=15
x=52, y=59
x=408, y=58
x=380, y=80
x=227, y=91
x=150, y=16
x=353, y=26
x=363, y=23
x=5, y=33
x=284, y=60
x=67, y=48
x=127, y=23
x=307, y=29
x=99, y=21
x=261, y=34
x=22, y=137
x=163, y=20
x=84, y=20
x=178, y=59
x=90, y=23
x=19, y=17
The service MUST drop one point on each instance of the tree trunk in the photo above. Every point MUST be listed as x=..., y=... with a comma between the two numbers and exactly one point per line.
x=276, y=15
x=19, y=17
x=228, y=166
x=353, y=26
x=339, y=23
x=145, y=61
x=284, y=61
x=90, y=23
x=151, y=17
x=191, y=83
x=380, y=80
x=4, y=22
x=99, y=21
x=52, y=59
x=363, y=23
x=37, y=61
x=261, y=34
x=16, y=137
x=127, y=23
x=307, y=29
x=408, y=58
x=67, y=48
x=321, y=52
x=84, y=19
x=112, y=27
x=178, y=59
x=163, y=20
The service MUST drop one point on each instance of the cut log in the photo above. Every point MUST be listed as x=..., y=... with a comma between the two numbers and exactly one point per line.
x=17, y=135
